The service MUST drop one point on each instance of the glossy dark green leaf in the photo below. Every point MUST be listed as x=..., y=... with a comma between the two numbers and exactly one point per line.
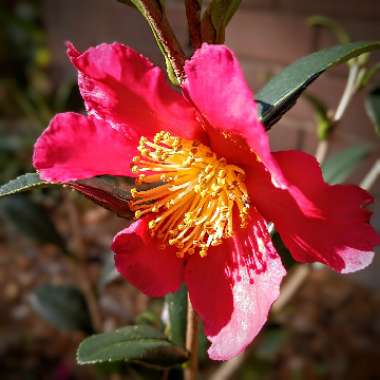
x=339, y=167
x=31, y=219
x=177, y=303
x=372, y=106
x=22, y=183
x=149, y=318
x=141, y=343
x=62, y=306
x=283, y=90
x=216, y=18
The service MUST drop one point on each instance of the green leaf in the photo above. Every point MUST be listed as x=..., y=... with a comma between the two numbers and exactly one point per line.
x=31, y=219
x=141, y=343
x=149, y=318
x=323, y=121
x=62, y=306
x=22, y=183
x=330, y=24
x=339, y=167
x=283, y=90
x=177, y=304
x=216, y=18
x=372, y=106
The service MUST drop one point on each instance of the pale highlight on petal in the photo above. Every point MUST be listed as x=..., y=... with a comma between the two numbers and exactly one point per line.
x=234, y=302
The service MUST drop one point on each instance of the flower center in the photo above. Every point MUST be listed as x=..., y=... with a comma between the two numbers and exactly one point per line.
x=196, y=196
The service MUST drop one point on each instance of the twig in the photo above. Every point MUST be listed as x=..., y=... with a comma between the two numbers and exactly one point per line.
x=321, y=152
x=165, y=374
x=193, y=14
x=348, y=93
x=78, y=266
x=227, y=369
x=191, y=371
x=371, y=177
x=291, y=286
x=159, y=23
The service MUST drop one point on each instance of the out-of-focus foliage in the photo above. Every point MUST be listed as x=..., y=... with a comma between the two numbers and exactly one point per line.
x=28, y=95
x=62, y=306
x=372, y=106
x=340, y=166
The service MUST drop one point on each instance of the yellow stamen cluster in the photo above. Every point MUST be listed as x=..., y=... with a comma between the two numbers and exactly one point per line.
x=196, y=196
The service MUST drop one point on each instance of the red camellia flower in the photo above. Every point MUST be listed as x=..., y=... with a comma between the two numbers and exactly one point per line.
x=205, y=223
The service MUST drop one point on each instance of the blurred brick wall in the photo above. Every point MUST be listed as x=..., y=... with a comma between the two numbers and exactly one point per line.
x=266, y=35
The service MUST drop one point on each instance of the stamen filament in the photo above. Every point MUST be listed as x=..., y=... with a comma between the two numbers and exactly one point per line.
x=194, y=205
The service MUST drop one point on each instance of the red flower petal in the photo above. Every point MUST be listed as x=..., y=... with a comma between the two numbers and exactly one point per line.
x=233, y=288
x=216, y=85
x=126, y=89
x=137, y=256
x=76, y=147
x=317, y=222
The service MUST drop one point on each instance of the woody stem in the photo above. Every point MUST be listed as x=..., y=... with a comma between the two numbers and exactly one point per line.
x=191, y=371
x=193, y=14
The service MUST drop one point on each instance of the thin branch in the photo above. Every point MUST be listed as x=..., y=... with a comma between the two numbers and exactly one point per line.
x=227, y=369
x=371, y=177
x=191, y=371
x=348, y=93
x=159, y=23
x=321, y=151
x=193, y=14
x=290, y=287
x=78, y=266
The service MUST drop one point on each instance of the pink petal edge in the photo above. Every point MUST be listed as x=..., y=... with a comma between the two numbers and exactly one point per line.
x=138, y=258
x=215, y=84
x=124, y=88
x=75, y=147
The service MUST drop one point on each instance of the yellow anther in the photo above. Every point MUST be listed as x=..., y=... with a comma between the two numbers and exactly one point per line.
x=203, y=252
x=134, y=192
x=140, y=179
x=196, y=195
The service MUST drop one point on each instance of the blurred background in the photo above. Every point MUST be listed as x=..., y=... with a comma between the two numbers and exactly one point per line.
x=330, y=329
